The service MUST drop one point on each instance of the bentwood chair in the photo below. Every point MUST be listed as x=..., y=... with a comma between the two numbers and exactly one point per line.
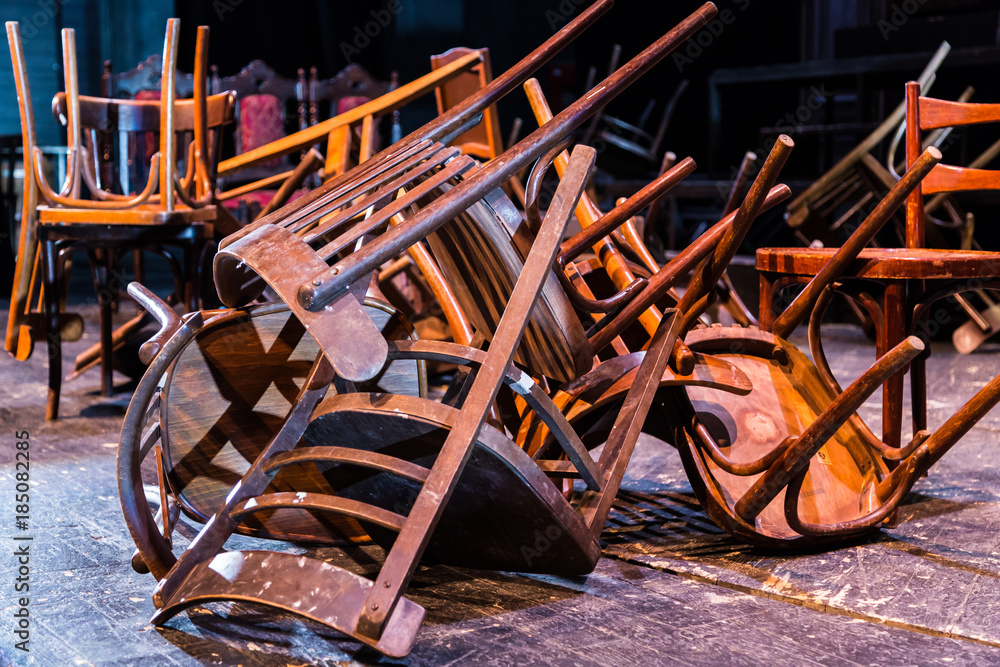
x=438, y=477
x=792, y=464
x=897, y=286
x=171, y=209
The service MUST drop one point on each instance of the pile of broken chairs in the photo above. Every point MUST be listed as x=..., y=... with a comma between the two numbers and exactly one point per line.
x=308, y=418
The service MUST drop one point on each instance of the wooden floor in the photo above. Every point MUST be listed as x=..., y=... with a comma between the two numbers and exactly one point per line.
x=671, y=587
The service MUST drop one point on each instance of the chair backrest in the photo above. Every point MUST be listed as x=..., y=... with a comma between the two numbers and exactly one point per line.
x=345, y=90
x=131, y=120
x=262, y=97
x=144, y=81
x=927, y=113
x=482, y=141
x=481, y=253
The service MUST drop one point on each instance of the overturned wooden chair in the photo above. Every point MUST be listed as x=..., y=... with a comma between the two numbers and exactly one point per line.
x=172, y=209
x=425, y=473
x=792, y=464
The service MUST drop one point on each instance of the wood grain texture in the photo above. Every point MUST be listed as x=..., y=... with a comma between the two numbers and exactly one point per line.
x=228, y=393
x=935, y=113
x=481, y=253
x=787, y=398
x=884, y=263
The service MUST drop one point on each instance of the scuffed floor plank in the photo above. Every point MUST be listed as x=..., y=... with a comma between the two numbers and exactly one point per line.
x=672, y=588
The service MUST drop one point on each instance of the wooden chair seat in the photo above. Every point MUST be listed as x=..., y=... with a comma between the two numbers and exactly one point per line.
x=226, y=395
x=786, y=399
x=885, y=263
x=475, y=530
x=145, y=215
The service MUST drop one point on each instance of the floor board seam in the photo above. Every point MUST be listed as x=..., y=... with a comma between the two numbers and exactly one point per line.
x=810, y=604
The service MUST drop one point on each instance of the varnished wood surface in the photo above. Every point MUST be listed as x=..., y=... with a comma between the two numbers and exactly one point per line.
x=481, y=253
x=476, y=528
x=141, y=115
x=884, y=263
x=935, y=113
x=147, y=214
x=228, y=393
x=482, y=141
x=786, y=399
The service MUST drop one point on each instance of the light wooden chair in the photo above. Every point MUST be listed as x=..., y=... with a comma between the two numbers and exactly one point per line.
x=170, y=209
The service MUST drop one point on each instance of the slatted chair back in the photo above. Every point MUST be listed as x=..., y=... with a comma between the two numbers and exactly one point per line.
x=928, y=113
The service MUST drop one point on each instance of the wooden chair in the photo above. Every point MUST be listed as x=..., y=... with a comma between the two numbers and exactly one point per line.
x=180, y=213
x=791, y=464
x=216, y=399
x=428, y=453
x=483, y=141
x=892, y=283
x=982, y=324
x=145, y=81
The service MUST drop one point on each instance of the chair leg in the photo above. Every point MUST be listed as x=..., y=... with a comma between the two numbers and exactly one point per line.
x=766, y=310
x=192, y=254
x=138, y=267
x=104, y=299
x=893, y=307
x=918, y=378
x=918, y=391
x=50, y=254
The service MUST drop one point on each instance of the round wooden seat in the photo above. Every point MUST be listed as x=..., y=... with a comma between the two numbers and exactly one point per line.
x=785, y=400
x=505, y=513
x=228, y=393
x=886, y=263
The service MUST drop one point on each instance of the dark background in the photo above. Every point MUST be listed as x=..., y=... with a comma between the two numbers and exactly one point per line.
x=891, y=39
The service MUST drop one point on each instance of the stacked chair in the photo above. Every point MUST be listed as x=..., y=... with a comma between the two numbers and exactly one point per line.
x=309, y=418
x=172, y=208
x=413, y=471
